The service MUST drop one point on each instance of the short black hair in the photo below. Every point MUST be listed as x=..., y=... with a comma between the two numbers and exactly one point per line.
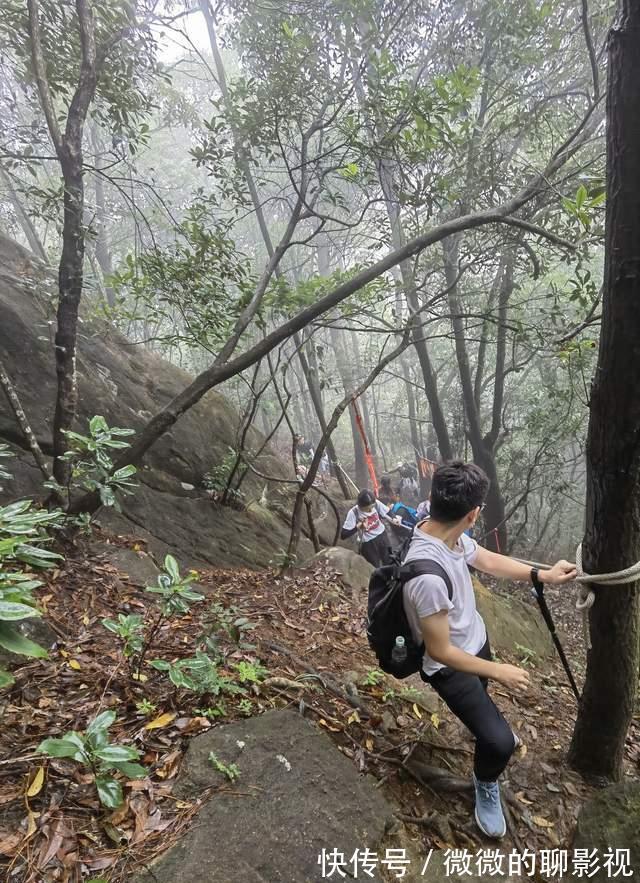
x=456, y=489
x=366, y=498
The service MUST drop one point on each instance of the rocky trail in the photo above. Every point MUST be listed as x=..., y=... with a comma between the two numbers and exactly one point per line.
x=290, y=652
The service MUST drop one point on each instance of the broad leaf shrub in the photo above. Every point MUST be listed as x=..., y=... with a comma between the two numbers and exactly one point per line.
x=23, y=534
x=202, y=673
x=93, y=751
x=92, y=464
x=137, y=634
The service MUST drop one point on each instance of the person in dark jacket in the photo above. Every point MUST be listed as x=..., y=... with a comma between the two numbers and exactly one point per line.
x=365, y=519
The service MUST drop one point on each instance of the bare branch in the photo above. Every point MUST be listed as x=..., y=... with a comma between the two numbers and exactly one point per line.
x=25, y=426
x=593, y=61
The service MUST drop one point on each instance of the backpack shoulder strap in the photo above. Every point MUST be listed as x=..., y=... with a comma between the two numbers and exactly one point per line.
x=401, y=552
x=426, y=567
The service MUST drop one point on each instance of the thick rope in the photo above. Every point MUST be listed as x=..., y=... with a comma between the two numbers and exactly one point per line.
x=587, y=596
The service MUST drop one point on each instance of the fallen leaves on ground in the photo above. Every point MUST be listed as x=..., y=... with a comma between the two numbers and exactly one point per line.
x=53, y=828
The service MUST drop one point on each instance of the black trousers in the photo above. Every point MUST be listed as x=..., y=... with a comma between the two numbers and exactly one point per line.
x=377, y=551
x=467, y=697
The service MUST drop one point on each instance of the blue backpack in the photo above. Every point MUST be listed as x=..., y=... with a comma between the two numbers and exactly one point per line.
x=408, y=514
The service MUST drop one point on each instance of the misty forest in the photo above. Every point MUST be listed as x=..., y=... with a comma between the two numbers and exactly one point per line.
x=273, y=275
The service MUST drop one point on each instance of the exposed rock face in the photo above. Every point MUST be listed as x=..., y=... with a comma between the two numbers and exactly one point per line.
x=510, y=621
x=608, y=822
x=353, y=570
x=127, y=384
x=295, y=795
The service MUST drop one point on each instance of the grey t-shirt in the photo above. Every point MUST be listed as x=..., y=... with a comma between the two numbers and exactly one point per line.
x=426, y=595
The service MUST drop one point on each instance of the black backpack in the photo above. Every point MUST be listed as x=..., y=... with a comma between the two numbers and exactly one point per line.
x=386, y=618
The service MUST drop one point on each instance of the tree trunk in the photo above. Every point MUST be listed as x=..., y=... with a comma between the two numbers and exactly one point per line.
x=611, y=540
x=70, y=281
x=411, y=294
x=68, y=146
x=343, y=364
x=364, y=398
x=483, y=447
x=314, y=393
x=392, y=205
x=103, y=252
x=23, y=422
x=24, y=220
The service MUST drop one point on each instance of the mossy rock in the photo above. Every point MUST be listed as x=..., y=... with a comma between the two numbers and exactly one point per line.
x=353, y=570
x=127, y=384
x=511, y=622
x=293, y=794
x=611, y=821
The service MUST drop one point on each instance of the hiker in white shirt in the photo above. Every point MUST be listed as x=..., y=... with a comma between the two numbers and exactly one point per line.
x=457, y=659
x=365, y=519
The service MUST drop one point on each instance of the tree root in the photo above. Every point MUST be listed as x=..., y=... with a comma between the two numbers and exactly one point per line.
x=330, y=684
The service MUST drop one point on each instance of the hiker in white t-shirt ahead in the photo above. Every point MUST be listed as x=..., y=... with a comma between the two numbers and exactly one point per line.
x=457, y=659
x=365, y=519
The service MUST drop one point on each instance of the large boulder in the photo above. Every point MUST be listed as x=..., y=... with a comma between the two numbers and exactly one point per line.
x=293, y=799
x=353, y=570
x=511, y=622
x=294, y=796
x=127, y=384
x=608, y=822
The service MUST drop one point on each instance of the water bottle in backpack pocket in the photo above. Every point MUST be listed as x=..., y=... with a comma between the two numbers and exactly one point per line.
x=388, y=629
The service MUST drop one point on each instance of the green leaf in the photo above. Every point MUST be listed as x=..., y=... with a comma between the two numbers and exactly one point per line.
x=581, y=196
x=109, y=791
x=58, y=748
x=178, y=678
x=35, y=556
x=11, y=610
x=131, y=770
x=125, y=472
x=598, y=199
x=98, y=424
x=12, y=640
x=171, y=566
x=6, y=679
x=107, y=497
x=117, y=753
x=102, y=722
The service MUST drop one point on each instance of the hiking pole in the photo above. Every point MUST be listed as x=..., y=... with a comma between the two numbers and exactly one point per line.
x=538, y=592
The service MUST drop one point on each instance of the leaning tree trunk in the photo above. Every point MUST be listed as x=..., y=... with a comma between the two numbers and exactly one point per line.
x=612, y=536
